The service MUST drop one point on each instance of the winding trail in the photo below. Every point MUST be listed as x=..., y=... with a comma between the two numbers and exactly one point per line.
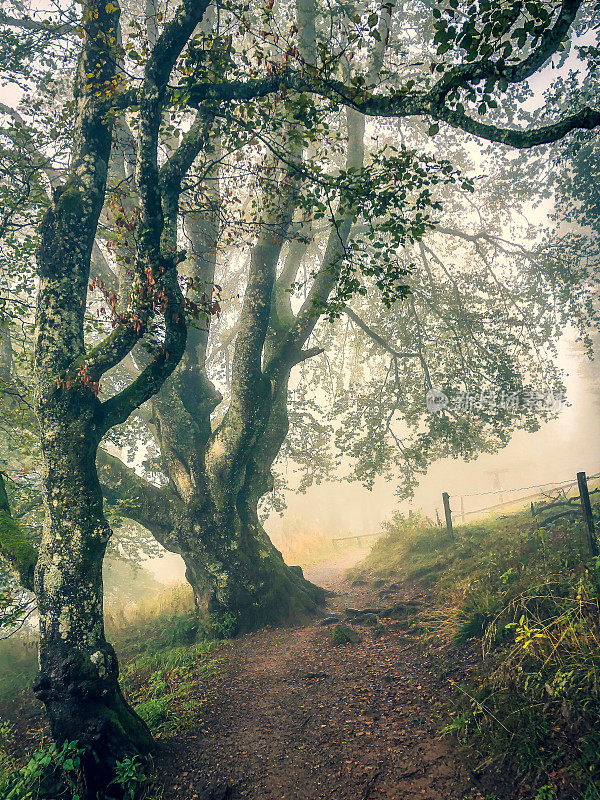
x=289, y=716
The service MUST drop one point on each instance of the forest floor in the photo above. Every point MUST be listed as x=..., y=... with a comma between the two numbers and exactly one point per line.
x=290, y=716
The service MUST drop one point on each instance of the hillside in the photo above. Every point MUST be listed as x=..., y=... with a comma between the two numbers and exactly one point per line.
x=523, y=596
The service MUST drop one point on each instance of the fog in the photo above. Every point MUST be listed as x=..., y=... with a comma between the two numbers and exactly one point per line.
x=554, y=453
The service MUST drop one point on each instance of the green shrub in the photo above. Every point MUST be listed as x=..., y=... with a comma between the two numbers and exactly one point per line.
x=342, y=634
x=219, y=626
x=154, y=711
x=130, y=776
x=52, y=769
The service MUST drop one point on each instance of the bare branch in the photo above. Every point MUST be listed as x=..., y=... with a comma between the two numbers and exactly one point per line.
x=376, y=337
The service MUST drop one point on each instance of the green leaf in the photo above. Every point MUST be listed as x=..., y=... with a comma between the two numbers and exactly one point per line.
x=433, y=129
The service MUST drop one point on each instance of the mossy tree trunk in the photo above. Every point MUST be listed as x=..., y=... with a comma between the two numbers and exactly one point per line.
x=204, y=513
x=78, y=680
x=217, y=477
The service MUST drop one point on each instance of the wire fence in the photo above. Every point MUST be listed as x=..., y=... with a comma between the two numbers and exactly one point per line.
x=506, y=497
x=557, y=495
x=565, y=495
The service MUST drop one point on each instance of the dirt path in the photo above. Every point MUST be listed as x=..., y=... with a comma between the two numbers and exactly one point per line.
x=292, y=717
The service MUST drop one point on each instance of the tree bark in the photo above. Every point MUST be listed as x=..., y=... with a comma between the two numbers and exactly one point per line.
x=78, y=679
x=237, y=571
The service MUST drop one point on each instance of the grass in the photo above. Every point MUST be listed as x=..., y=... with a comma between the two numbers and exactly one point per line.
x=530, y=595
x=165, y=654
x=165, y=651
x=342, y=634
x=18, y=664
x=163, y=685
x=301, y=544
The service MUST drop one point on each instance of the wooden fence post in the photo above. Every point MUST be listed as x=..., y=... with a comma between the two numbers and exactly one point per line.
x=447, y=511
x=586, y=507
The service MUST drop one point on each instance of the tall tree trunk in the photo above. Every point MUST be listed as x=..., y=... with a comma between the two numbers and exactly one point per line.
x=78, y=680
x=231, y=564
x=218, y=477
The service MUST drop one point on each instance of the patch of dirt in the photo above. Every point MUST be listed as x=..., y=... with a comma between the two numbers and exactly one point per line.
x=290, y=716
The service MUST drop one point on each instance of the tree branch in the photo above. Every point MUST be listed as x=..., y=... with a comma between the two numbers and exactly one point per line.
x=383, y=343
x=29, y=24
x=151, y=506
x=586, y=119
x=465, y=75
x=425, y=103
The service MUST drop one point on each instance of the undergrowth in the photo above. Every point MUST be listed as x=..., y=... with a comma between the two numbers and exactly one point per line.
x=530, y=594
x=165, y=652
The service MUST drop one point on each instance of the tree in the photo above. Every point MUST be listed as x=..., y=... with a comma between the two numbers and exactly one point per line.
x=207, y=510
x=228, y=78
x=78, y=679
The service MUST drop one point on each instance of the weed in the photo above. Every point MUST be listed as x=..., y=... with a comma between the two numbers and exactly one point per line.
x=129, y=776
x=154, y=712
x=546, y=792
x=219, y=626
x=51, y=766
x=6, y=730
x=161, y=685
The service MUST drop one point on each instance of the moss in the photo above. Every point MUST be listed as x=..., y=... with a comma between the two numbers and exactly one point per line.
x=17, y=550
x=114, y=719
x=69, y=198
x=128, y=722
x=342, y=634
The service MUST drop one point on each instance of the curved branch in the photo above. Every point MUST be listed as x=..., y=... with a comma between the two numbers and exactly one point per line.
x=426, y=103
x=116, y=409
x=586, y=119
x=28, y=24
x=465, y=75
x=151, y=506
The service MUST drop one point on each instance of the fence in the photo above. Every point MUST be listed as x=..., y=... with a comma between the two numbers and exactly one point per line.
x=555, y=495
x=358, y=537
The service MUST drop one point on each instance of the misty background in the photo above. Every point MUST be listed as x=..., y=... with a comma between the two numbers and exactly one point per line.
x=552, y=454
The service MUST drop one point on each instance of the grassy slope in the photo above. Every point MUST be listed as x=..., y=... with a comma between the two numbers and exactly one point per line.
x=306, y=544
x=530, y=594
